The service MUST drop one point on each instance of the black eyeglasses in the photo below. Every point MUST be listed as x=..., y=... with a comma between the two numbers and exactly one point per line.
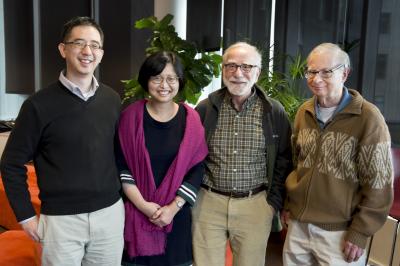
x=81, y=44
x=245, y=68
x=325, y=74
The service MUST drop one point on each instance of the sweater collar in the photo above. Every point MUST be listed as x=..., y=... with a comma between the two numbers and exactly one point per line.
x=75, y=89
x=351, y=103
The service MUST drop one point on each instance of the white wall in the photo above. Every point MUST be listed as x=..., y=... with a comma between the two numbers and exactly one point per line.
x=178, y=9
x=9, y=103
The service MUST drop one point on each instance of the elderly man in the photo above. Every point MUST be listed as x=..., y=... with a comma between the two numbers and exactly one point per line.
x=248, y=136
x=68, y=130
x=340, y=191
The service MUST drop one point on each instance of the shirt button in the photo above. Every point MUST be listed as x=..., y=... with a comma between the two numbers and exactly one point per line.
x=235, y=133
x=237, y=116
x=234, y=170
x=234, y=152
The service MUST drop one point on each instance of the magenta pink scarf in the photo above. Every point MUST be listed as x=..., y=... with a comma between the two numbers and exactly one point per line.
x=143, y=238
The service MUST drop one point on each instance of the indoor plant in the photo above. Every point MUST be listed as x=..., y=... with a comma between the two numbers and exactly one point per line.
x=199, y=67
x=285, y=87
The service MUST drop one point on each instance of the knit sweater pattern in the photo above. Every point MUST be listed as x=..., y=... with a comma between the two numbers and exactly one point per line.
x=71, y=143
x=343, y=173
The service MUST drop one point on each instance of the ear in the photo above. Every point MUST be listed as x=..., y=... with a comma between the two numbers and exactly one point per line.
x=258, y=72
x=346, y=73
x=61, y=49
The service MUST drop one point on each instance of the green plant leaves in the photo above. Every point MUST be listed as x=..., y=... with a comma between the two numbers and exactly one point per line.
x=145, y=23
x=199, y=69
x=285, y=87
x=133, y=90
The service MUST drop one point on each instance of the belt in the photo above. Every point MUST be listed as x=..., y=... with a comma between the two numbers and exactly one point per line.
x=236, y=194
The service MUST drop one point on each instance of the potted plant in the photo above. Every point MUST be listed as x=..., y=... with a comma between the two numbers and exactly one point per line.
x=199, y=67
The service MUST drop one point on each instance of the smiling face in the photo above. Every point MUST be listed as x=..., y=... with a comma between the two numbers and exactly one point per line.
x=239, y=84
x=81, y=62
x=165, y=91
x=327, y=90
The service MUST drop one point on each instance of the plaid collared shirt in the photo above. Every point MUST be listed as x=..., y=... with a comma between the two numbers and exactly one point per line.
x=237, y=159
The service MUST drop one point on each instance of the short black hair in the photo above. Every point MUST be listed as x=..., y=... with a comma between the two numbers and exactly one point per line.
x=80, y=21
x=155, y=64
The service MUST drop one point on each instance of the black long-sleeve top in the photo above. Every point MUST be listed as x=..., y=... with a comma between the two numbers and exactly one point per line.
x=71, y=143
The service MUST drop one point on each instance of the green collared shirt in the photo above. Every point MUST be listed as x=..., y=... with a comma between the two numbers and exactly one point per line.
x=237, y=150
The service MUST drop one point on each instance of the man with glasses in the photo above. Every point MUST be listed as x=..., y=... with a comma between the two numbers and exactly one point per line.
x=248, y=135
x=68, y=130
x=340, y=191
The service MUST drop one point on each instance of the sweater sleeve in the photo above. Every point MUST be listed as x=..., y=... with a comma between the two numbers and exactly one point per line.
x=375, y=174
x=123, y=169
x=191, y=183
x=20, y=149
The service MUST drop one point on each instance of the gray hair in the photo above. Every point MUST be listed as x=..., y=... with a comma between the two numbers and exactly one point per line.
x=248, y=47
x=334, y=48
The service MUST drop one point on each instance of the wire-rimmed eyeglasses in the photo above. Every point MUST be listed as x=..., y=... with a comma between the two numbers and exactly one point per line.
x=159, y=79
x=81, y=44
x=325, y=73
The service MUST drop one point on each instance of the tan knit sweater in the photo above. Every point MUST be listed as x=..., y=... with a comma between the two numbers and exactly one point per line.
x=343, y=177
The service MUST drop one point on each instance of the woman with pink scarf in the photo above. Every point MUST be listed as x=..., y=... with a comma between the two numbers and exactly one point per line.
x=163, y=147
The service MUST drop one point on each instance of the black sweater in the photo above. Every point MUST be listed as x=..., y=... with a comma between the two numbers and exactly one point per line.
x=71, y=143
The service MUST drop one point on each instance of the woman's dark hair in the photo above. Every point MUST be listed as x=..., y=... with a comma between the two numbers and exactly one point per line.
x=80, y=21
x=155, y=64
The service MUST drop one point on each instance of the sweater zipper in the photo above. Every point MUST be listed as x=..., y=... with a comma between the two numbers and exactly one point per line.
x=321, y=131
x=307, y=198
